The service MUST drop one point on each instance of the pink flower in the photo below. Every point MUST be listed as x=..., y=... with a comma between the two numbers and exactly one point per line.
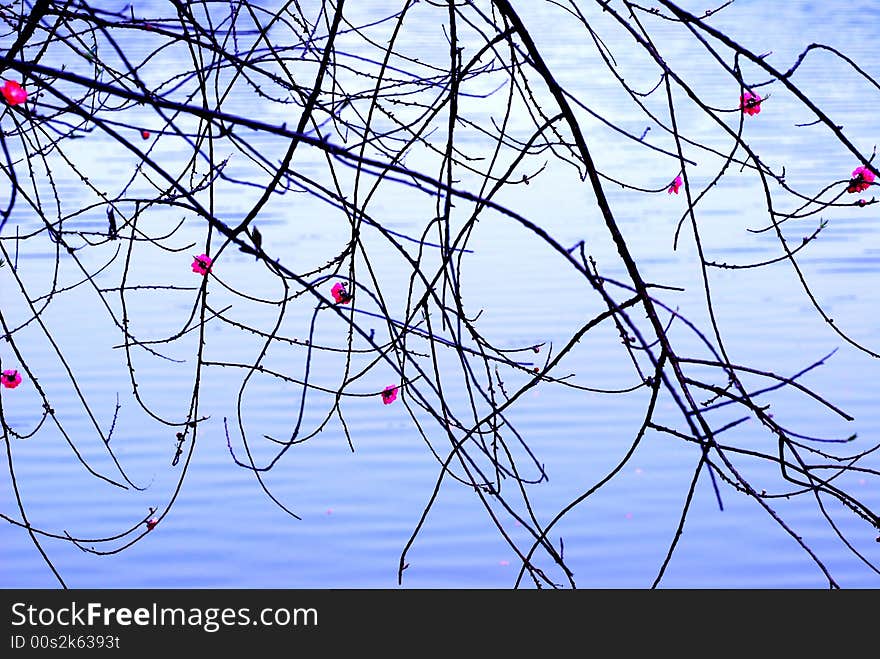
x=389, y=394
x=151, y=523
x=13, y=92
x=342, y=296
x=750, y=103
x=676, y=184
x=201, y=264
x=11, y=379
x=862, y=177
x=145, y=134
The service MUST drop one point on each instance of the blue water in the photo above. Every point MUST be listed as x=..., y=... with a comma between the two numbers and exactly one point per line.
x=358, y=508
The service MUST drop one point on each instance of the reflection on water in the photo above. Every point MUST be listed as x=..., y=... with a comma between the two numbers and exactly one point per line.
x=359, y=507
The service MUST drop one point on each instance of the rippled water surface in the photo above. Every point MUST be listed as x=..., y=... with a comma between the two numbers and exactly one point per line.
x=358, y=508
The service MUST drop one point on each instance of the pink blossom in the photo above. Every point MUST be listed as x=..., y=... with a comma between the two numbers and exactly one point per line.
x=750, y=103
x=340, y=295
x=201, y=264
x=862, y=177
x=145, y=134
x=389, y=394
x=13, y=92
x=11, y=379
x=151, y=523
x=676, y=184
